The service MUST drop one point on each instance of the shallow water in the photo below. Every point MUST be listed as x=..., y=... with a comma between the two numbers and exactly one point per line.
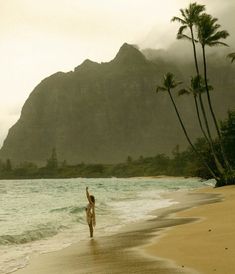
x=39, y=216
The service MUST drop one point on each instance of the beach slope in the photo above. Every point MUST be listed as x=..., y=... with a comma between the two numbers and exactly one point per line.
x=195, y=235
x=206, y=245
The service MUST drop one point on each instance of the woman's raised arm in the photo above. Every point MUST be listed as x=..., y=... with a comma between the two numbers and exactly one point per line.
x=88, y=195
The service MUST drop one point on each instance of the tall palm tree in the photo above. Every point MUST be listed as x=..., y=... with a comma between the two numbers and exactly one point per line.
x=210, y=35
x=198, y=87
x=169, y=83
x=189, y=19
x=231, y=56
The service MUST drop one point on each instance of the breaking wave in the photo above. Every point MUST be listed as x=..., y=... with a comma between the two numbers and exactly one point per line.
x=39, y=233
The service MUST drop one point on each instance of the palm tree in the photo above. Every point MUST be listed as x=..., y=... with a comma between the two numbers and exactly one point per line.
x=198, y=87
x=231, y=56
x=190, y=18
x=169, y=83
x=188, y=21
x=210, y=35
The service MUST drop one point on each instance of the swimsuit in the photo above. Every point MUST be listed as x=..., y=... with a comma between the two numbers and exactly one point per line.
x=90, y=213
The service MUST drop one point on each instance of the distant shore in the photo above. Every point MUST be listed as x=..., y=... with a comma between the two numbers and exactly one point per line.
x=159, y=166
x=156, y=245
x=166, y=177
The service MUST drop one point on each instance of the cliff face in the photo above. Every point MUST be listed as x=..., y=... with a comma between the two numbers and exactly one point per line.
x=103, y=113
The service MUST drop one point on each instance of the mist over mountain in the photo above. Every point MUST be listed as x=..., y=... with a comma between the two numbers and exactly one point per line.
x=101, y=113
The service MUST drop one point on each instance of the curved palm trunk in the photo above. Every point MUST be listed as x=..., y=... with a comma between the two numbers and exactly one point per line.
x=188, y=139
x=195, y=100
x=194, y=51
x=199, y=119
x=212, y=111
x=208, y=138
x=208, y=93
x=210, y=141
x=200, y=97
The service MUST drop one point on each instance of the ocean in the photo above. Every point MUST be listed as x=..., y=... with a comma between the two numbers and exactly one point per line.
x=44, y=215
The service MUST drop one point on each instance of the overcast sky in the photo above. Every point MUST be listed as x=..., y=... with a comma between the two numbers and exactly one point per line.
x=39, y=38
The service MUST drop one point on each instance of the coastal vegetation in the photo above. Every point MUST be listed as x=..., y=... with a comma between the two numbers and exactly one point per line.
x=201, y=28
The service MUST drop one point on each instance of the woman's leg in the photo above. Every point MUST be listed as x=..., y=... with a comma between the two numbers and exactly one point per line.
x=91, y=229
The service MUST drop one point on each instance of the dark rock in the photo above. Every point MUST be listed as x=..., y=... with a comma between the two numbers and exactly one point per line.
x=101, y=113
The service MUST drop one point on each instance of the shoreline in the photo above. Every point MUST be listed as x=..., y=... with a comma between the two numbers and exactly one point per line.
x=207, y=245
x=108, y=177
x=122, y=252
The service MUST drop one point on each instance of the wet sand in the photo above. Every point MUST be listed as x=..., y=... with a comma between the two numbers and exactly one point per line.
x=125, y=252
x=207, y=245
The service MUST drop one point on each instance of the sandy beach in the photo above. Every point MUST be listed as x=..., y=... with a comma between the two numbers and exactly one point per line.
x=194, y=236
x=207, y=245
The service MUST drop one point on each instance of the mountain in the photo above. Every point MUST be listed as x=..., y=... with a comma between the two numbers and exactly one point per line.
x=103, y=112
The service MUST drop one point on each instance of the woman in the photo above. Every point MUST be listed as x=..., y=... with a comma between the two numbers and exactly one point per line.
x=90, y=212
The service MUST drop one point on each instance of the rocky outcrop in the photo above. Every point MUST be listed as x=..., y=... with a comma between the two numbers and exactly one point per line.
x=103, y=113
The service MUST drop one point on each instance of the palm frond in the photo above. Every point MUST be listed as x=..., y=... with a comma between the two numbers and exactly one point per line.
x=181, y=30
x=196, y=8
x=176, y=83
x=178, y=19
x=208, y=33
x=184, y=36
x=197, y=84
x=183, y=92
x=194, y=11
x=211, y=44
x=183, y=13
x=159, y=88
x=168, y=83
x=210, y=87
x=219, y=35
x=189, y=18
x=213, y=21
x=231, y=56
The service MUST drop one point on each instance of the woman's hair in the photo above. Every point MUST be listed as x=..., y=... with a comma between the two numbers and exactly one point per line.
x=92, y=199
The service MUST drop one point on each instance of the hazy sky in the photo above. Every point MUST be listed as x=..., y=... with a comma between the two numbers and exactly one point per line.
x=39, y=38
